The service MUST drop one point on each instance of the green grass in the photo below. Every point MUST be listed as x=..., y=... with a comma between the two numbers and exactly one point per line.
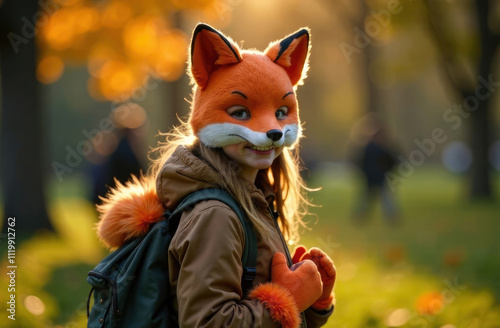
x=438, y=268
x=442, y=242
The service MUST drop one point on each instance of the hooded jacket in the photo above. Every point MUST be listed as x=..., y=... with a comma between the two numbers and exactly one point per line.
x=204, y=256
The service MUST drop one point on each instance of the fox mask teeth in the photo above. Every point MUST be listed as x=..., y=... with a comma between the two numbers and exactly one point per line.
x=262, y=148
x=262, y=82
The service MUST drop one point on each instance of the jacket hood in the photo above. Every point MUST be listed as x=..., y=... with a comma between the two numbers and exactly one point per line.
x=128, y=210
x=182, y=174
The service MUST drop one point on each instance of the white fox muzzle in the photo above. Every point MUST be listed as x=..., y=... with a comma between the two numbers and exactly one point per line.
x=224, y=134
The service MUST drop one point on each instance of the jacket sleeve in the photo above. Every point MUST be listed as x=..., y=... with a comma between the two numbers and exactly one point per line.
x=315, y=318
x=208, y=247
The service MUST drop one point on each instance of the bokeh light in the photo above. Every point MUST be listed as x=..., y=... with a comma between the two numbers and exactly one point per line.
x=117, y=80
x=129, y=115
x=457, y=157
x=49, y=69
x=141, y=34
x=429, y=303
x=167, y=61
x=107, y=145
x=398, y=317
x=34, y=305
x=58, y=32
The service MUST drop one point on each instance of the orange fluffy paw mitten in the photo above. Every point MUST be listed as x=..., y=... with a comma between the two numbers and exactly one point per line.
x=303, y=281
x=327, y=271
x=290, y=291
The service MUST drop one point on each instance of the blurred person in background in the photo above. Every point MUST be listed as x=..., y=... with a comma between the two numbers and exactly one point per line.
x=374, y=159
x=118, y=154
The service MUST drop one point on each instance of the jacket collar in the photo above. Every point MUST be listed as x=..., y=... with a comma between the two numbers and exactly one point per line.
x=184, y=173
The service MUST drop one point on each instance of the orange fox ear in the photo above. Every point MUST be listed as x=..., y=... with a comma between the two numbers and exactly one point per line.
x=210, y=49
x=292, y=54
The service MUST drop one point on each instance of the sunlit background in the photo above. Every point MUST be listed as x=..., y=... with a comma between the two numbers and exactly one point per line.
x=111, y=74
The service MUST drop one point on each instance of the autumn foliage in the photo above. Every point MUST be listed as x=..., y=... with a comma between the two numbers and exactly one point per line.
x=122, y=42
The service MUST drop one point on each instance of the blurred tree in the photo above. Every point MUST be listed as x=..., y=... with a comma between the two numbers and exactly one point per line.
x=22, y=134
x=355, y=14
x=467, y=35
x=382, y=39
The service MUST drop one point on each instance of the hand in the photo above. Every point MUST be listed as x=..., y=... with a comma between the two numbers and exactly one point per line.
x=326, y=269
x=304, y=284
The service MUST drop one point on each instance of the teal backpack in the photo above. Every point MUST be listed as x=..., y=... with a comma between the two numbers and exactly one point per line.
x=130, y=285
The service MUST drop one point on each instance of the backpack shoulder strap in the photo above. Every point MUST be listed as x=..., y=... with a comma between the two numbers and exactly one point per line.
x=249, y=257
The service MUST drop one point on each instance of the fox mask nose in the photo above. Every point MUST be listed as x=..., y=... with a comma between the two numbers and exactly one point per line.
x=274, y=135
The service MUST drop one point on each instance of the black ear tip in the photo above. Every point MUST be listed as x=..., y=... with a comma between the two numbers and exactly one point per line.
x=303, y=31
x=285, y=43
x=202, y=26
x=205, y=27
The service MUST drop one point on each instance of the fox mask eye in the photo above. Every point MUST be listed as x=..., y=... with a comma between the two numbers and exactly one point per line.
x=239, y=112
x=281, y=112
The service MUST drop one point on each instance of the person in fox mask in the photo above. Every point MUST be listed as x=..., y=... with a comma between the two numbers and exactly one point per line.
x=241, y=136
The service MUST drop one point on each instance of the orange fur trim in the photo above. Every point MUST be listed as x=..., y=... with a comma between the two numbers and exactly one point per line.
x=128, y=211
x=279, y=303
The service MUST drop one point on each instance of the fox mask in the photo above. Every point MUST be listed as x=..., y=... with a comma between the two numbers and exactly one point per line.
x=246, y=95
